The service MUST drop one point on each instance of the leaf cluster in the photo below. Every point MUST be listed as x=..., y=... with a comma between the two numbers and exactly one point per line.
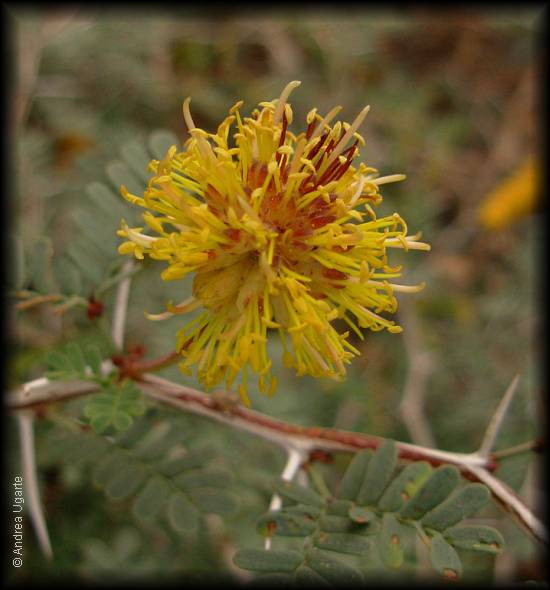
x=377, y=502
x=151, y=468
x=117, y=403
x=88, y=265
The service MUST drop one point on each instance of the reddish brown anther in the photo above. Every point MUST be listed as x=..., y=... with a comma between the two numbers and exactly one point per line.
x=233, y=234
x=318, y=222
x=315, y=149
x=334, y=274
x=310, y=129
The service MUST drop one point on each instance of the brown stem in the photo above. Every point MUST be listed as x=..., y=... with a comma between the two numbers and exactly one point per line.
x=22, y=305
x=535, y=446
x=159, y=363
x=323, y=437
x=130, y=365
x=223, y=408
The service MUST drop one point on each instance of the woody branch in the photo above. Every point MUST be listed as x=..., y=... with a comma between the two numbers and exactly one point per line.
x=223, y=408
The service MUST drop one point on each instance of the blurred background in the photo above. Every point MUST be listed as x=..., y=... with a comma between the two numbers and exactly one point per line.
x=454, y=105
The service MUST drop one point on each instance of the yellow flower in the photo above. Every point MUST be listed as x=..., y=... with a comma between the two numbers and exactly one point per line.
x=281, y=233
x=514, y=197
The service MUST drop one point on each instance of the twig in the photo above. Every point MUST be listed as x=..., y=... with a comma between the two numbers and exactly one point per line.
x=129, y=367
x=41, y=391
x=511, y=502
x=121, y=306
x=284, y=433
x=307, y=439
x=471, y=465
x=526, y=447
x=112, y=281
x=498, y=418
x=22, y=305
x=26, y=435
x=295, y=459
x=31, y=47
x=280, y=432
x=411, y=408
x=44, y=391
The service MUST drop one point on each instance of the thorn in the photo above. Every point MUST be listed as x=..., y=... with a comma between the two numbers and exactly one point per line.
x=295, y=459
x=30, y=484
x=498, y=418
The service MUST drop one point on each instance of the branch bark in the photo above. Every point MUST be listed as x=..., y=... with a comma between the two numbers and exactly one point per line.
x=223, y=408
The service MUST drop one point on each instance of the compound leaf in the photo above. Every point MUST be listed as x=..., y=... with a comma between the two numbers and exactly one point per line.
x=115, y=406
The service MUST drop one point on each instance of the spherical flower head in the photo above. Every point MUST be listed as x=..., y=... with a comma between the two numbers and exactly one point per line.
x=280, y=233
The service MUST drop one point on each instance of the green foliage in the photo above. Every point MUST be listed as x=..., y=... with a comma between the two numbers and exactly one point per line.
x=111, y=80
x=117, y=403
x=458, y=506
x=115, y=406
x=436, y=489
x=377, y=505
x=90, y=265
x=75, y=362
x=106, y=562
x=475, y=537
x=444, y=558
x=149, y=466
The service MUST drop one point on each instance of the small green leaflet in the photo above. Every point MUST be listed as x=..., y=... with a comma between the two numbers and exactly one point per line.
x=116, y=407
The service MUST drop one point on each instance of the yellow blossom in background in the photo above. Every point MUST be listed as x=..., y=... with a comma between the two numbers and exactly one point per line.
x=516, y=196
x=280, y=232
